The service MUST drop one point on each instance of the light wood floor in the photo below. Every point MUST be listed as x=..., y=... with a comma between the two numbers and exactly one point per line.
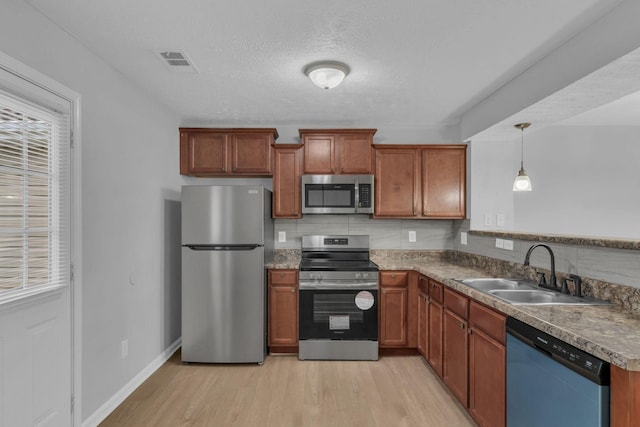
x=394, y=391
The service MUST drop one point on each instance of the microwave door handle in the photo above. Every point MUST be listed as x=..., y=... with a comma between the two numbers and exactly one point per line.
x=357, y=195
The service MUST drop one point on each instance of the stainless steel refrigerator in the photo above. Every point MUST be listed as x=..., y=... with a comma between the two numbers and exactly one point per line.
x=227, y=236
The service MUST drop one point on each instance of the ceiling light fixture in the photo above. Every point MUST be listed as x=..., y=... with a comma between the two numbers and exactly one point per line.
x=522, y=182
x=327, y=74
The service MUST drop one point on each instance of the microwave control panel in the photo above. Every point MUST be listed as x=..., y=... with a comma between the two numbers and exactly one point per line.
x=365, y=195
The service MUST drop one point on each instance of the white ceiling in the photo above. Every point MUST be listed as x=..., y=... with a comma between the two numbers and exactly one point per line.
x=414, y=63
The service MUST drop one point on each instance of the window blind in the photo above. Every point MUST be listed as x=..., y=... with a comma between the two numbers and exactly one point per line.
x=34, y=196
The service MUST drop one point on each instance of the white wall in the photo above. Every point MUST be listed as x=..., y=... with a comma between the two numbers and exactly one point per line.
x=131, y=212
x=585, y=182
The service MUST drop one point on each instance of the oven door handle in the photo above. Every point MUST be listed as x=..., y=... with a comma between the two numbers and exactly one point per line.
x=338, y=286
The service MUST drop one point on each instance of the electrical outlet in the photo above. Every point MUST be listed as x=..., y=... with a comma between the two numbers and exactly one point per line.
x=463, y=238
x=412, y=236
x=282, y=236
x=508, y=245
x=487, y=219
x=500, y=220
x=500, y=243
x=124, y=349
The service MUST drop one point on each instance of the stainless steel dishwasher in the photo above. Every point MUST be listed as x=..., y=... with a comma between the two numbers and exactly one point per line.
x=551, y=383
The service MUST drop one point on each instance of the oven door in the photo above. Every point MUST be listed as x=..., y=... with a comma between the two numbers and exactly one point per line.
x=338, y=314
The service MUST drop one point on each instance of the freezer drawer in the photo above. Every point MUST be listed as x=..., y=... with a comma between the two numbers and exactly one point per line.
x=223, y=305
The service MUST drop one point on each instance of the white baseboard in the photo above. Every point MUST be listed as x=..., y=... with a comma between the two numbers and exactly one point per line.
x=110, y=405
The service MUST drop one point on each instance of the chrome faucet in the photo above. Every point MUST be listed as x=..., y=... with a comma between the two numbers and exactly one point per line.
x=552, y=285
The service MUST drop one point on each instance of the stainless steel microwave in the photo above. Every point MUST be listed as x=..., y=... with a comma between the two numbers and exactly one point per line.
x=337, y=194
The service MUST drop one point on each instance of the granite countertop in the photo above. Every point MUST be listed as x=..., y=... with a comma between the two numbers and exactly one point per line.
x=608, y=332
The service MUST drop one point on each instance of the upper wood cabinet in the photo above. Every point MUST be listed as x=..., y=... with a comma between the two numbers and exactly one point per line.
x=286, y=181
x=208, y=152
x=337, y=151
x=420, y=181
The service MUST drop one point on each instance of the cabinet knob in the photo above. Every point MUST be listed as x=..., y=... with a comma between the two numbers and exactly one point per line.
x=293, y=290
x=384, y=291
x=224, y=170
x=461, y=325
x=469, y=331
x=393, y=275
x=341, y=169
x=295, y=212
x=234, y=169
x=281, y=274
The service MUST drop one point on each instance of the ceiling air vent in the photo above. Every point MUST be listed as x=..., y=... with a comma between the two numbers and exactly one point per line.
x=176, y=60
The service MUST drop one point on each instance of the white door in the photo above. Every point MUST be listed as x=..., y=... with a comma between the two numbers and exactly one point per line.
x=35, y=362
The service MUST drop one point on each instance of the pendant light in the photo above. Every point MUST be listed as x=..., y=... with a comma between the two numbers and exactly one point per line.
x=522, y=181
x=327, y=74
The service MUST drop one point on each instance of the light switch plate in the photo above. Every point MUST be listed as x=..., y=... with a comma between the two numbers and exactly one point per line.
x=412, y=236
x=499, y=243
x=508, y=245
x=463, y=237
x=282, y=236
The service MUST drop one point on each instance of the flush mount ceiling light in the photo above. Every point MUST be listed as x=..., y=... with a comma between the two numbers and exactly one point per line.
x=522, y=182
x=327, y=74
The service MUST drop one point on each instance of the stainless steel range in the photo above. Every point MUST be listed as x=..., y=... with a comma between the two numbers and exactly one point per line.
x=338, y=303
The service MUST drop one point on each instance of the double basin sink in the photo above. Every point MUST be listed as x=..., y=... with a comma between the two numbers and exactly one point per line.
x=520, y=292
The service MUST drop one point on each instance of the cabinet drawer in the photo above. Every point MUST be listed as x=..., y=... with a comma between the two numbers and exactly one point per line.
x=488, y=321
x=393, y=278
x=456, y=303
x=283, y=277
x=423, y=284
x=436, y=291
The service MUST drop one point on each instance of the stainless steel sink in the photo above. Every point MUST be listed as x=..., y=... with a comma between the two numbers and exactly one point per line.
x=524, y=292
x=490, y=284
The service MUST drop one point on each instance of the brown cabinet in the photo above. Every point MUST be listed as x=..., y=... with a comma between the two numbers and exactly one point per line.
x=394, y=308
x=286, y=181
x=423, y=316
x=487, y=366
x=420, y=181
x=208, y=152
x=455, y=370
x=337, y=151
x=434, y=351
x=283, y=311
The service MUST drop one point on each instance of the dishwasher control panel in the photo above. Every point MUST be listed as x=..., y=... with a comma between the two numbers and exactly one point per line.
x=597, y=370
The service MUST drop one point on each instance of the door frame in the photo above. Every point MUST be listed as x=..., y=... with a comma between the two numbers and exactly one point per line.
x=33, y=77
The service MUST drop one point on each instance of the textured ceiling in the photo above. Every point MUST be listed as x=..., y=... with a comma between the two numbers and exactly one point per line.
x=414, y=63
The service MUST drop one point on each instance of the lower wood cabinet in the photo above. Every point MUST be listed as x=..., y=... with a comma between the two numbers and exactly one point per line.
x=455, y=356
x=283, y=311
x=394, y=308
x=464, y=342
x=434, y=352
x=487, y=366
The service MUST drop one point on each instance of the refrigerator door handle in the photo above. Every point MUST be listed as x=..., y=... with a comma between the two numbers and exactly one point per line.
x=222, y=247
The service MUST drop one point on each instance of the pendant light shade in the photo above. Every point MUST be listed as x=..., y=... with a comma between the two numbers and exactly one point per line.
x=522, y=181
x=328, y=74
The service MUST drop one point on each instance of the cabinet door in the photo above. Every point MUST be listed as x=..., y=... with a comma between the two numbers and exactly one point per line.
x=251, y=153
x=393, y=316
x=435, y=336
x=444, y=182
x=423, y=322
x=487, y=390
x=286, y=181
x=283, y=308
x=207, y=153
x=455, y=355
x=354, y=154
x=318, y=154
x=397, y=184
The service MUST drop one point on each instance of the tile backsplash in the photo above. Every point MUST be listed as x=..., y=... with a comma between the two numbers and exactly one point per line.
x=383, y=233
